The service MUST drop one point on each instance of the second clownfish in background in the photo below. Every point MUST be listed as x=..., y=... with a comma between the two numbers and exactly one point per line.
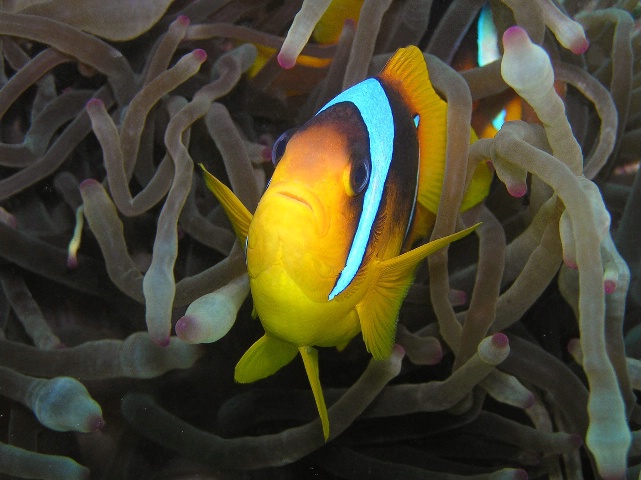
x=329, y=247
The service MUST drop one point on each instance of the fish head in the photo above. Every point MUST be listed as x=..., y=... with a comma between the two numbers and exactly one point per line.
x=305, y=221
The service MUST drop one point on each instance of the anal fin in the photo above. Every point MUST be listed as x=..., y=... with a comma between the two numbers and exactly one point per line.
x=310, y=359
x=378, y=311
x=264, y=358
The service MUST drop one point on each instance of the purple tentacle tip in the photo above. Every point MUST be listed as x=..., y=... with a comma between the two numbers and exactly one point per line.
x=183, y=20
x=200, y=55
x=95, y=423
x=161, y=341
x=609, y=286
x=185, y=329
x=520, y=474
x=399, y=350
x=500, y=340
x=529, y=402
x=517, y=190
x=94, y=103
x=580, y=46
x=514, y=34
x=615, y=476
x=576, y=440
x=266, y=154
x=72, y=263
x=89, y=182
x=286, y=61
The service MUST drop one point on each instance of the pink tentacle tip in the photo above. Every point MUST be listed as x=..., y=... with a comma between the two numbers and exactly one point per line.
x=184, y=328
x=161, y=341
x=349, y=23
x=8, y=219
x=500, y=340
x=72, y=262
x=571, y=264
x=576, y=440
x=88, y=183
x=613, y=476
x=609, y=286
x=95, y=423
x=529, y=401
x=517, y=190
x=580, y=46
x=266, y=154
x=514, y=35
x=437, y=357
x=398, y=350
x=572, y=345
x=95, y=103
x=457, y=297
x=200, y=55
x=286, y=61
x=520, y=474
x=183, y=20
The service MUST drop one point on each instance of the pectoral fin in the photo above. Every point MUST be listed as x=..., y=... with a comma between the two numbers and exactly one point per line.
x=264, y=358
x=378, y=311
x=236, y=212
x=310, y=359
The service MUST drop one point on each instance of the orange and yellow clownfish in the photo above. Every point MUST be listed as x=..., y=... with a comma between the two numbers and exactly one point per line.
x=328, y=248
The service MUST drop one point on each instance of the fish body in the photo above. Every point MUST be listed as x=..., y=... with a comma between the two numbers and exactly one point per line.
x=329, y=247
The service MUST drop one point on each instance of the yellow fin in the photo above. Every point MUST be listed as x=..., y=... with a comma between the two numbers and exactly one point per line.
x=378, y=311
x=329, y=27
x=310, y=359
x=407, y=72
x=237, y=212
x=479, y=187
x=264, y=358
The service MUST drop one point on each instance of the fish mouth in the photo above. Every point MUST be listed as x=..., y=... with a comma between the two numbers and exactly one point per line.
x=297, y=198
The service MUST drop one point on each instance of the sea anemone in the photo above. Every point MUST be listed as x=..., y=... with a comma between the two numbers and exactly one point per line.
x=518, y=348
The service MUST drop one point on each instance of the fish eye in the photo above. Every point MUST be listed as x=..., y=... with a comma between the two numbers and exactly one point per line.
x=278, y=150
x=359, y=173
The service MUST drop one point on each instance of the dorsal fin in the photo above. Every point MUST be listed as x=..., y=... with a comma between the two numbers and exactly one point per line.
x=407, y=73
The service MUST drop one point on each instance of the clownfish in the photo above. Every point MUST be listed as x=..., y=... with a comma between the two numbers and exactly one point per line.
x=328, y=248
